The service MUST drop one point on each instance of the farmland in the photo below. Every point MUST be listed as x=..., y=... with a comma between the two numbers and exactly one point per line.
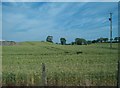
x=70, y=65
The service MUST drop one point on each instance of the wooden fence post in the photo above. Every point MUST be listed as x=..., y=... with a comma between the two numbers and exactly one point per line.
x=43, y=75
x=56, y=79
x=118, y=75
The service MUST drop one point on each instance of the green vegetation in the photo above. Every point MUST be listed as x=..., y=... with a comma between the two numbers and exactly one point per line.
x=89, y=65
x=49, y=39
x=63, y=41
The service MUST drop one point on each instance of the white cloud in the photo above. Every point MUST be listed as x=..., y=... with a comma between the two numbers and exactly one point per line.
x=52, y=19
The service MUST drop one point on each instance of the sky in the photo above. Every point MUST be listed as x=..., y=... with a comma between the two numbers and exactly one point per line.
x=34, y=21
x=60, y=0
x=0, y=21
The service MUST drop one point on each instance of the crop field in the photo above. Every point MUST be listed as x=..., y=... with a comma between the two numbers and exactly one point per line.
x=66, y=65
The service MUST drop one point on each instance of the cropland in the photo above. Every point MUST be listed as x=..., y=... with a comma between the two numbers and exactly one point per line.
x=66, y=65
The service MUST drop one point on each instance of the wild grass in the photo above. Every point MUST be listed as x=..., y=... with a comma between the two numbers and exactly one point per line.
x=66, y=65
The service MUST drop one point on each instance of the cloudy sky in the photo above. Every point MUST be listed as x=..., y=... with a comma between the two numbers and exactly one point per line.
x=34, y=21
x=60, y=0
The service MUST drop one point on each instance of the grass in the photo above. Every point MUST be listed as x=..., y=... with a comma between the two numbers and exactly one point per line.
x=95, y=65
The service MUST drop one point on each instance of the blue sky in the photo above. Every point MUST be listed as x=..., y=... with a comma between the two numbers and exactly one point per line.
x=34, y=21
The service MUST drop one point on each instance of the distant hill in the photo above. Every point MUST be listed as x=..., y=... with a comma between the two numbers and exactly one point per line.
x=36, y=43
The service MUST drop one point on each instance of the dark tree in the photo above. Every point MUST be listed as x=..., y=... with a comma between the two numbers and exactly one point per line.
x=105, y=39
x=49, y=39
x=80, y=41
x=100, y=40
x=94, y=41
x=72, y=43
x=63, y=41
x=89, y=42
x=117, y=39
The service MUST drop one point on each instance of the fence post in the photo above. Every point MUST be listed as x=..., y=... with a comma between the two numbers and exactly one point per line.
x=43, y=75
x=56, y=79
x=118, y=79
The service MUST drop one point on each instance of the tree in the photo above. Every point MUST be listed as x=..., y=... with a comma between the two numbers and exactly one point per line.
x=72, y=43
x=49, y=39
x=94, y=41
x=105, y=39
x=63, y=41
x=89, y=42
x=117, y=39
x=80, y=41
x=100, y=40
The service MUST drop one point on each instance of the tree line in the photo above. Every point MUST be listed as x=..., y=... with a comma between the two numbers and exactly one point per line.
x=82, y=41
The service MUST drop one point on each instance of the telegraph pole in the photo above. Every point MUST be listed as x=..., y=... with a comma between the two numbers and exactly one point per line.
x=110, y=19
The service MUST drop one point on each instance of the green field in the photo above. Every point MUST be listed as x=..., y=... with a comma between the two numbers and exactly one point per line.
x=70, y=65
